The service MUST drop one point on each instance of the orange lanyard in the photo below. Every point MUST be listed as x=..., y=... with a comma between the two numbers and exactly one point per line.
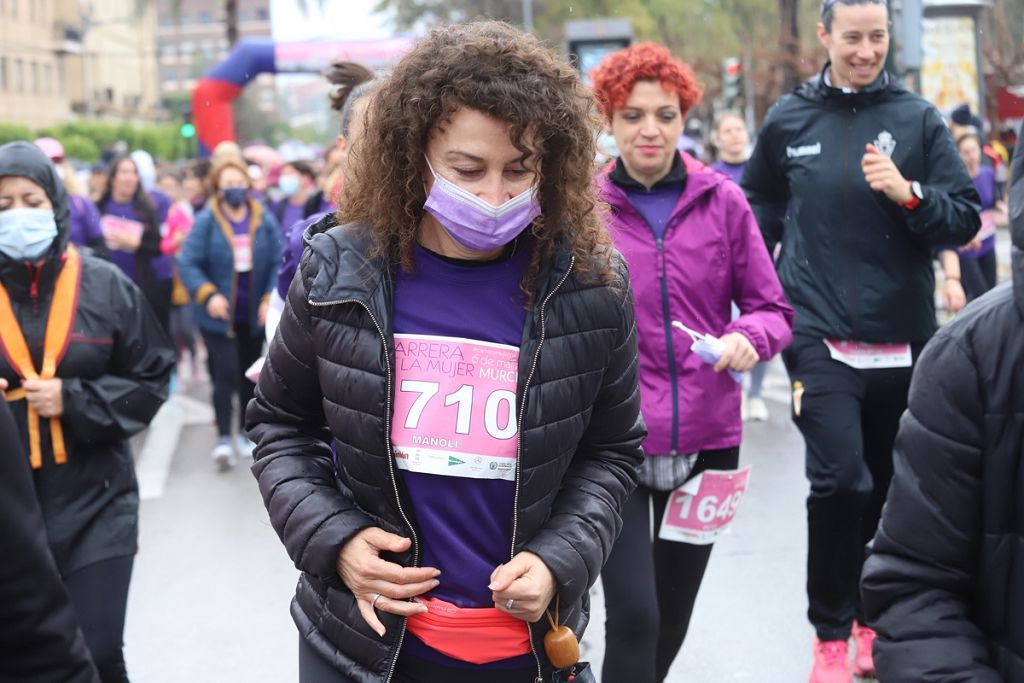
x=58, y=334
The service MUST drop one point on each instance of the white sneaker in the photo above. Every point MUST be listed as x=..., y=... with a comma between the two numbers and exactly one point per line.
x=223, y=454
x=244, y=446
x=757, y=410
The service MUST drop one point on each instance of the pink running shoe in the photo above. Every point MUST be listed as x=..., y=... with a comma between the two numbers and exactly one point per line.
x=831, y=662
x=864, y=640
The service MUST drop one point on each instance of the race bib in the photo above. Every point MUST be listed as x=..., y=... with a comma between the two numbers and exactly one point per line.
x=700, y=511
x=988, y=224
x=113, y=227
x=870, y=356
x=455, y=407
x=243, y=253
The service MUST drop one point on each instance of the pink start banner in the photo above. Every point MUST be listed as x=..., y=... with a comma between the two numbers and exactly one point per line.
x=455, y=407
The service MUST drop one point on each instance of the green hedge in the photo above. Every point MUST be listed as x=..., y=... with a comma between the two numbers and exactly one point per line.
x=85, y=140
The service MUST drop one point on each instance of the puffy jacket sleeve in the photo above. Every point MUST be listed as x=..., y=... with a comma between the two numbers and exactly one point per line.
x=766, y=318
x=922, y=574
x=950, y=212
x=123, y=401
x=586, y=518
x=293, y=461
x=764, y=180
x=193, y=261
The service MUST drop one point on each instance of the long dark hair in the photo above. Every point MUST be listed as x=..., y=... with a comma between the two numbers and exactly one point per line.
x=141, y=202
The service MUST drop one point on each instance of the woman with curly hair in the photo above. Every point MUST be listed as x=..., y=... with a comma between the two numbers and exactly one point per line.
x=464, y=338
x=693, y=248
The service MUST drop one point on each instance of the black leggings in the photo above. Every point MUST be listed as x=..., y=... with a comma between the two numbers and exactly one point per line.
x=99, y=593
x=651, y=585
x=978, y=275
x=229, y=358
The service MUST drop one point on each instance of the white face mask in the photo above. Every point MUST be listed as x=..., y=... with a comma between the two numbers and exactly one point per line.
x=26, y=234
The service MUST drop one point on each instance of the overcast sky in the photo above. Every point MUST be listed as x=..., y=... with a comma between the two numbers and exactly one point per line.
x=340, y=20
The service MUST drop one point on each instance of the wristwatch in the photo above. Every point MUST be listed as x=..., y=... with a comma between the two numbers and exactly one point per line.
x=917, y=196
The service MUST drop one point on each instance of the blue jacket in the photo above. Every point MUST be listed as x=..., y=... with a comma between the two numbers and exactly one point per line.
x=206, y=265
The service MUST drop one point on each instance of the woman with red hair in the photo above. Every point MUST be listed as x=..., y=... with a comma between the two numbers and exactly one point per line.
x=693, y=247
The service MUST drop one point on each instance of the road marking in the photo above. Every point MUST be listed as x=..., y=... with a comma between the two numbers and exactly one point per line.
x=154, y=462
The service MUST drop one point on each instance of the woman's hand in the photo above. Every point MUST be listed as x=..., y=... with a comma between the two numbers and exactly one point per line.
x=953, y=296
x=739, y=354
x=381, y=585
x=523, y=588
x=218, y=307
x=45, y=396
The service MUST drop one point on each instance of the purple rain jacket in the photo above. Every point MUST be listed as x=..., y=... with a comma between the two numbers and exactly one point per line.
x=712, y=254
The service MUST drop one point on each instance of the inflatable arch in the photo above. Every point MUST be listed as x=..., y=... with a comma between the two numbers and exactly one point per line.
x=212, y=98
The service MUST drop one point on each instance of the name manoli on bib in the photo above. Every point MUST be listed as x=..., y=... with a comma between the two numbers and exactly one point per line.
x=455, y=407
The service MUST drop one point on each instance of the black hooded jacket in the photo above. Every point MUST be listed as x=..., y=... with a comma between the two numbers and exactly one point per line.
x=854, y=264
x=115, y=375
x=328, y=379
x=944, y=584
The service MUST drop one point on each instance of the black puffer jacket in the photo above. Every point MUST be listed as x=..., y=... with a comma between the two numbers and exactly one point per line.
x=328, y=375
x=944, y=585
x=115, y=376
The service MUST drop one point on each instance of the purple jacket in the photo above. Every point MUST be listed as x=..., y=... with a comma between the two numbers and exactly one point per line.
x=711, y=255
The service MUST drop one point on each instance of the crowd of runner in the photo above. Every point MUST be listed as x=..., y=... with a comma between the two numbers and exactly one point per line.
x=477, y=368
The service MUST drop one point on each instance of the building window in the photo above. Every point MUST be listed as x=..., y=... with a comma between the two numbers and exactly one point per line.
x=205, y=17
x=47, y=80
x=263, y=14
x=34, y=75
x=14, y=9
x=3, y=68
x=61, y=80
x=19, y=76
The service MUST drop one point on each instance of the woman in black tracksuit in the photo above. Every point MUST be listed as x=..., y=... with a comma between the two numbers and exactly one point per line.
x=87, y=366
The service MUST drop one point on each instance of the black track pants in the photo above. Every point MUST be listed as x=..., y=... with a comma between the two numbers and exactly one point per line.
x=849, y=419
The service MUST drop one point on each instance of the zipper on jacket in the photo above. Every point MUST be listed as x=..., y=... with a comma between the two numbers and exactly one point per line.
x=519, y=447
x=33, y=291
x=391, y=463
x=666, y=316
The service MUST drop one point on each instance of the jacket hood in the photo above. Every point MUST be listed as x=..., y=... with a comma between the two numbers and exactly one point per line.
x=1017, y=221
x=816, y=90
x=26, y=160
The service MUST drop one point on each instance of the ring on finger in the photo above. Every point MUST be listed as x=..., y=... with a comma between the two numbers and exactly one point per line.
x=508, y=605
x=376, y=597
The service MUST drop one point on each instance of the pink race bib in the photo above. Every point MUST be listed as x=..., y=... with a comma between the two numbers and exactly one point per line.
x=243, y=253
x=870, y=356
x=455, y=407
x=112, y=226
x=702, y=509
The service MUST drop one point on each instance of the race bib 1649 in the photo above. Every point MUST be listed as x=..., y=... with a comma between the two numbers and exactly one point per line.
x=455, y=407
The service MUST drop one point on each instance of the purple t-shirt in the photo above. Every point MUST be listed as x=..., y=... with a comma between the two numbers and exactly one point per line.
x=241, y=229
x=985, y=184
x=127, y=218
x=291, y=213
x=85, y=221
x=734, y=171
x=464, y=515
x=291, y=254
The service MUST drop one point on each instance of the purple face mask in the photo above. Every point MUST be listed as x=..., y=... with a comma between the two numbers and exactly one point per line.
x=474, y=223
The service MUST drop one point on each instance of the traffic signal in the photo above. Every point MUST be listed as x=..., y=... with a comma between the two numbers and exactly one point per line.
x=188, y=129
x=732, y=81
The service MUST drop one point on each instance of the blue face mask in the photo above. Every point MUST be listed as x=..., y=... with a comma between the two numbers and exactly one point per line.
x=288, y=184
x=26, y=234
x=236, y=196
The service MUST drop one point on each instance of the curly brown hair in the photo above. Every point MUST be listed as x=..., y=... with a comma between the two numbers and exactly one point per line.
x=498, y=70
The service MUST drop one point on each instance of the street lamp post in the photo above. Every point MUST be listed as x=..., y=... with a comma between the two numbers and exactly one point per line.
x=528, y=16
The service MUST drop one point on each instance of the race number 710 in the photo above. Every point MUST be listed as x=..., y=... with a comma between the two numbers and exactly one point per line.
x=709, y=508
x=463, y=399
